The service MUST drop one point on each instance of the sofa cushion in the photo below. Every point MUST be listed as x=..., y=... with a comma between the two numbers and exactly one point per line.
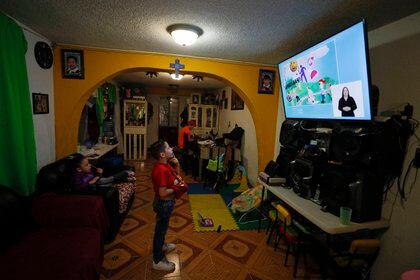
x=54, y=253
x=56, y=176
x=15, y=217
x=51, y=209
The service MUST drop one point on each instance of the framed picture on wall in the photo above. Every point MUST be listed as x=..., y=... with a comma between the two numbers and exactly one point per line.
x=236, y=102
x=266, y=81
x=72, y=64
x=195, y=99
x=40, y=103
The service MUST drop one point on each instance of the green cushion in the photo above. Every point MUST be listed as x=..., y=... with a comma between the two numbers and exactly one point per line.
x=272, y=214
x=292, y=231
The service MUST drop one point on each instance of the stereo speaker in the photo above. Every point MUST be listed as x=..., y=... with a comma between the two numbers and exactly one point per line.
x=358, y=189
x=289, y=134
x=284, y=159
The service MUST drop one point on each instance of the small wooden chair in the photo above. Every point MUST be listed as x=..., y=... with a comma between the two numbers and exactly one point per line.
x=292, y=232
x=357, y=262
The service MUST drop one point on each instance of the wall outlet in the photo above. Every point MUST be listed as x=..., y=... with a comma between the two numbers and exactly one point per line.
x=416, y=162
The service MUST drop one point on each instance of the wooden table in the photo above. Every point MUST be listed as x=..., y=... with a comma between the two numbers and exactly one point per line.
x=326, y=221
x=97, y=151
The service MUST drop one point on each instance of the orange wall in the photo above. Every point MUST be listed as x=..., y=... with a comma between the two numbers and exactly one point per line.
x=103, y=65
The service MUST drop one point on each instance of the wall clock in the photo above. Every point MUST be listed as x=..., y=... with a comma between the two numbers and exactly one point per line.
x=43, y=55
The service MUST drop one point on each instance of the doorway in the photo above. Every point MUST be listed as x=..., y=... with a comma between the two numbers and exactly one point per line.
x=168, y=119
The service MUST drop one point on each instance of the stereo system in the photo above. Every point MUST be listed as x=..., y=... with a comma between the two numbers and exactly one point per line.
x=347, y=167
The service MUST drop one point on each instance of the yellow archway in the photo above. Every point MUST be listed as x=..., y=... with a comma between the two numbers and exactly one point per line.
x=102, y=65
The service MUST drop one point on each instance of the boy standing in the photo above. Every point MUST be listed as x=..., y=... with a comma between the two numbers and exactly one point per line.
x=167, y=185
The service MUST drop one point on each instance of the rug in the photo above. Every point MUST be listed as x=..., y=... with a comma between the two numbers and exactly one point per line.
x=211, y=206
x=198, y=188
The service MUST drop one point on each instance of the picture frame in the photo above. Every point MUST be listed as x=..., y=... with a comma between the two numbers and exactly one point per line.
x=236, y=102
x=72, y=63
x=266, y=81
x=40, y=103
x=195, y=98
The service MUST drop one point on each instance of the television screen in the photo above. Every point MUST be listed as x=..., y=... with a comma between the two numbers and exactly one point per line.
x=329, y=80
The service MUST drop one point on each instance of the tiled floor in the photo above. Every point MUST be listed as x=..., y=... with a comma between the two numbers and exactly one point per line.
x=226, y=255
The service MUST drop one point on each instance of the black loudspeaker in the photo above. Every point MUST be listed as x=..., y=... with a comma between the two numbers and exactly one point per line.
x=358, y=189
x=289, y=134
x=352, y=145
x=285, y=157
x=272, y=169
x=301, y=177
x=347, y=144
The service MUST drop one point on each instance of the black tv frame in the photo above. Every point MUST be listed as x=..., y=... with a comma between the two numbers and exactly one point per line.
x=367, y=57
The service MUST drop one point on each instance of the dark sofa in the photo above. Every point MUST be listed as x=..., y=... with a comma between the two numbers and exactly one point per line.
x=56, y=176
x=51, y=236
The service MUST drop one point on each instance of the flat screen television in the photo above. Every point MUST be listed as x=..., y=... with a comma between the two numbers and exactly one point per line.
x=329, y=80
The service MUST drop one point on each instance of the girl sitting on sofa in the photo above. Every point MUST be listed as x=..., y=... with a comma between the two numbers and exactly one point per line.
x=84, y=177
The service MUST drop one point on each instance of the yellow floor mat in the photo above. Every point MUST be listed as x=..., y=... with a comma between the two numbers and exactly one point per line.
x=211, y=206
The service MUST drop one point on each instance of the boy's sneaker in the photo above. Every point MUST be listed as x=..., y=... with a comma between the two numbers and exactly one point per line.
x=168, y=247
x=164, y=265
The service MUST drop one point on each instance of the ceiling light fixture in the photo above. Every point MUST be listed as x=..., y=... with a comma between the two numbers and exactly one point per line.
x=184, y=34
x=177, y=77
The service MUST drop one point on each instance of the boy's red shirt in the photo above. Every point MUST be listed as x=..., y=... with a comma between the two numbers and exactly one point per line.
x=163, y=175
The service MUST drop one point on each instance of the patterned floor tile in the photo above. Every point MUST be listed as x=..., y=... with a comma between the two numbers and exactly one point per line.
x=119, y=257
x=184, y=209
x=237, y=249
x=178, y=222
x=239, y=255
x=202, y=239
x=139, y=202
x=136, y=271
x=212, y=267
x=187, y=252
x=142, y=188
x=270, y=264
x=143, y=178
x=180, y=202
x=130, y=224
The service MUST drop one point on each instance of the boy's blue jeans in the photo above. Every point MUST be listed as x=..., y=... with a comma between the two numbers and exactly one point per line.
x=163, y=210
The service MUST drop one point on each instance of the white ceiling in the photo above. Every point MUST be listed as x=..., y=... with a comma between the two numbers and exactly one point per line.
x=254, y=31
x=164, y=80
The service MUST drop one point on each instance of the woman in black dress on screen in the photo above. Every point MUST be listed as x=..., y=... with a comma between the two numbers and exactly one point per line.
x=346, y=104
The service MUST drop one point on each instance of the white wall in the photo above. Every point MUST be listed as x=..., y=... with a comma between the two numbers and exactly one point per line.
x=243, y=118
x=395, y=69
x=41, y=81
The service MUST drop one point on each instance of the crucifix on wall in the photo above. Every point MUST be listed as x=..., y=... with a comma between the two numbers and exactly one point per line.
x=177, y=66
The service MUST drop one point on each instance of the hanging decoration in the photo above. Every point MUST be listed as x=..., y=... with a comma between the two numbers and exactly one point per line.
x=152, y=74
x=198, y=78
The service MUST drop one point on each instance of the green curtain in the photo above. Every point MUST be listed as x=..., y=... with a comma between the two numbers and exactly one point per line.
x=100, y=103
x=18, y=165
